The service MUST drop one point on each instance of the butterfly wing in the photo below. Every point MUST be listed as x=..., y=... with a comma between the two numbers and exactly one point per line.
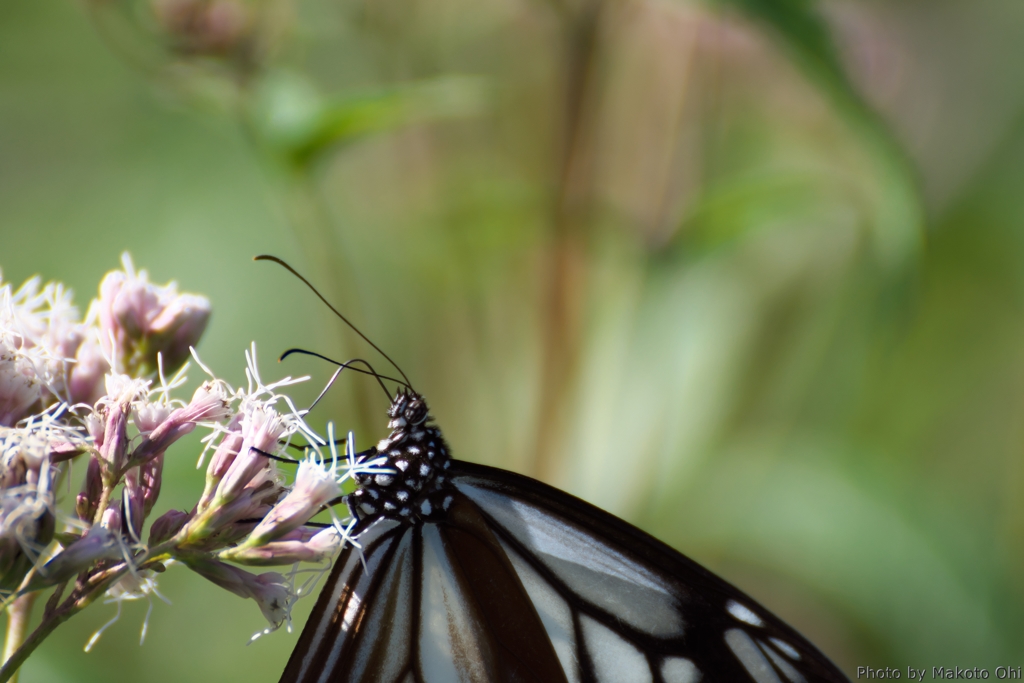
x=437, y=602
x=621, y=606
x=523, y=582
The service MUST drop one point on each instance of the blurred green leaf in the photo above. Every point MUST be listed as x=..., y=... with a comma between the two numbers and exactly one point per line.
x=300, y=125
x=899, y=228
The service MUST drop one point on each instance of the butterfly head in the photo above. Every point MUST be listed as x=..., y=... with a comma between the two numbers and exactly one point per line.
x=414, y=488
x=407, y=409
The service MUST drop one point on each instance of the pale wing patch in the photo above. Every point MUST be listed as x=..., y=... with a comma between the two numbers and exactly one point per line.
x=384, y=641
x=750, y=656
x=679, y=670
x=786, y=649
x=450, y=644
x=595, y=571
x=785, y=667
x=345, y=597
x=554, y=613
x=615, y=659
x=743, y=613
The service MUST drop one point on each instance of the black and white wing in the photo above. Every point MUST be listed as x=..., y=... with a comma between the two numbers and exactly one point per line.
x=519, y=581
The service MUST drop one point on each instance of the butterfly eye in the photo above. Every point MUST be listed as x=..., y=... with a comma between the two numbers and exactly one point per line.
x=416, y=412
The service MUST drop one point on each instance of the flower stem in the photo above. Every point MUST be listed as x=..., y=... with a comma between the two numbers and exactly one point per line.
x=104, y=500
x=18, y=616
x=76, y=602
x=13, y=662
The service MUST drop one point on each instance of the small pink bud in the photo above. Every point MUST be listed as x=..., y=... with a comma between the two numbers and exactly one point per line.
x=111, y=518
x=92, y=489
x=167, y=525
x=94, y=424
x=115, y=438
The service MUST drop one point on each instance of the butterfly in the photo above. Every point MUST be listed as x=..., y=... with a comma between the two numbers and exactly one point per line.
x=466, y=573
x=462, y=573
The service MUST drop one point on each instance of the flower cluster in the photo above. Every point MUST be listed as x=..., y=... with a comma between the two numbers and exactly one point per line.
x=98, y=391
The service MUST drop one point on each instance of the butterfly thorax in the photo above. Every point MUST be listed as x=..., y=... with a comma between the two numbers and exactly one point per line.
x=411, y=485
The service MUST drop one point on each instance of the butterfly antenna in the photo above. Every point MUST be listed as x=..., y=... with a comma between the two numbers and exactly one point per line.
x=337, y=372
x=371, y=371
x=283, y=264
x=348, y=365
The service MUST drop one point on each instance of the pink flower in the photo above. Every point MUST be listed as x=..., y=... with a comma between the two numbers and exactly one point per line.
x=296, y=546
x=207, y=405
x=139, y=319
x=314, y=487
x=268, y=590
x=85, y=377
x=262, y=426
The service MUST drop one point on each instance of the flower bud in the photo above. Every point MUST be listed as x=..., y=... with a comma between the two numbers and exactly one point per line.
x=111, y=518
x=222, y=458
x=216, y=28
x=99, y=544
x=253, y=502
x=131, y=505
x=166, y=526
x=318, y=548
x=314, y=487
x=144, y=319
x=261, y=428
x=85, y=379
x=92, y=489
x=151, y=479
x=268, y=590
x=113, y=452
x=179, y=326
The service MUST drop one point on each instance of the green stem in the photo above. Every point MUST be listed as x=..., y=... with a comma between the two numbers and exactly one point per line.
x=104, y=499
x=18, y=616
x=16, y=658
x=75, y=603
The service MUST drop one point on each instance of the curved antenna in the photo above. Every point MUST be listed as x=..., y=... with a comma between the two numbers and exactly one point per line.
x=268, y=257
x=347, y=363
x=343, y=366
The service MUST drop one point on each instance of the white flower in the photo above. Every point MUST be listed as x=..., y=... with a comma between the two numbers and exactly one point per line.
x=315, y=486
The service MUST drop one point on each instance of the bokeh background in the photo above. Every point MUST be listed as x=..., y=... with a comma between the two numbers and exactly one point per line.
x=746, y=273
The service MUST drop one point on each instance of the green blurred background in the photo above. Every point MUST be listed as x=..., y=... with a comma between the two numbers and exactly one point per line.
x=746, y=273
